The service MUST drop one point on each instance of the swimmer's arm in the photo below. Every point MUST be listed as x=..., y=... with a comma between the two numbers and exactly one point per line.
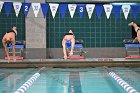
x=15, y=31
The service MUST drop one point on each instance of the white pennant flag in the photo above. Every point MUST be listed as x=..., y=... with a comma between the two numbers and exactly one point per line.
x=17, y=7
x=53, y=8
x=1, y=5
x=36, y=7
x=90, y=9
x=72, y=8
x=108, y=9
x=126, y=10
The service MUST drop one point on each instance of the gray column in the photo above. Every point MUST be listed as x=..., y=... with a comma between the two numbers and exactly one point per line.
x=35, y=33
x=35, y=28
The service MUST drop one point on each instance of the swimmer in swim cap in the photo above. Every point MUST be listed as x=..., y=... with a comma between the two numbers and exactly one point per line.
x=68, y=37
x=8, y=38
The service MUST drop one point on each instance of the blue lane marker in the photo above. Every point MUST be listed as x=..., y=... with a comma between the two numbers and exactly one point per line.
x=74, y=83
x=124, y=84
x=27, y=84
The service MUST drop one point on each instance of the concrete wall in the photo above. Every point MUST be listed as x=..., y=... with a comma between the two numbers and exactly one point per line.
x=52, y=53
x=35, y=32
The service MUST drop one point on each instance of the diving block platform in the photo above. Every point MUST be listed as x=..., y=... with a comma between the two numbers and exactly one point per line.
x=14, y=58
x=76, y=57
x=132, y=48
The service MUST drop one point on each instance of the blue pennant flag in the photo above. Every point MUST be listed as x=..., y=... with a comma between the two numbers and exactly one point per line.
x=26, y=7
x=135, y=10
x=45, y=7
x=81, y=9
x=99, y=10
x=62, y=9
x=117, y=9
x=8, y=7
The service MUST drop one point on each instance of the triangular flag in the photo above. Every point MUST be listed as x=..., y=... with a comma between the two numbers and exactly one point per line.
x=62, y=9
x=1, y=5
x=8, y=7
x=81, y=9
x=53, y=8
x=45, y=7
x=36, y=7
x=99, y=10
x=90, y=9
x=126, y=10
x=135, y=10
x=17, y=7
x=117, y=9
x=72, y=8
x=108, y=9
x=26, y=7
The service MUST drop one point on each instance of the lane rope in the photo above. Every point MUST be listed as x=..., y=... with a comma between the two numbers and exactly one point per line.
x=123, y=83
x=29, y=82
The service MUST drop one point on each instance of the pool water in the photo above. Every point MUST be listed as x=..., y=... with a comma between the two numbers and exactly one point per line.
x=69, y=80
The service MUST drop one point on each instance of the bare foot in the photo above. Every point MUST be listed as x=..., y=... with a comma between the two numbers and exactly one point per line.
x=65, y=57
x=130, y=24
x=8, y=59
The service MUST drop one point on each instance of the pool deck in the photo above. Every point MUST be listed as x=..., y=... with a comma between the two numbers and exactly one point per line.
x=89, y=62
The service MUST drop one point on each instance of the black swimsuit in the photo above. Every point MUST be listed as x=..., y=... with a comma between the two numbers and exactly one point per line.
x=11, y=31
x=138, y=29
x=69, y=34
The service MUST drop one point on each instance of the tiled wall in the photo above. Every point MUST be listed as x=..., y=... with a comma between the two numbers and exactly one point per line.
x=95, y=32
x=6, y=23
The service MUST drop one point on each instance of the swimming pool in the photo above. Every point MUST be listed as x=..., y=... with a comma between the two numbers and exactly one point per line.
x=69, y=80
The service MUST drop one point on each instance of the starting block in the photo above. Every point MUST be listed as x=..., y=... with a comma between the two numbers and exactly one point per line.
x=131, y=57
x=14, y=58
x=76, y=57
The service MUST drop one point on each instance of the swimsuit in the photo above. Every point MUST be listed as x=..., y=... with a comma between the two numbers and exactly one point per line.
x=69, y=34
x=138, y=29
x=12, y=31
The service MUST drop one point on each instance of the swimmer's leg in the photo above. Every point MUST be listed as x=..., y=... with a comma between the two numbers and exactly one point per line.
x=138, y=36
x=64, y=48
x=134, y=25
x=5, y=47
x=13, y=46
x=135, y=40
x=72, y=46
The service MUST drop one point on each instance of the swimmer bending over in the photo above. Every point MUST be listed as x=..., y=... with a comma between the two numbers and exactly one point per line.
x=68, y=36
x=137, y=29
x=8, y=38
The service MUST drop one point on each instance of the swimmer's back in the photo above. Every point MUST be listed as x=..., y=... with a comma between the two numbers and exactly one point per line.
x=68, y=36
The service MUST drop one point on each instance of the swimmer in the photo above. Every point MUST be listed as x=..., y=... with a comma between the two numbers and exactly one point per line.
x=68, y=36
x=137, y=29
x=8, y=38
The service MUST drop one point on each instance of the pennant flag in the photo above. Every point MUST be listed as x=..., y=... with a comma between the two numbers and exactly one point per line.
x=45, y=7
x=26, y=7
x=90, y=9
x=81, y=9
x=62, y=9
x=1, y=5
x=17, y=7
x=108, y=9
x=8, y=7
x=135, y=10
x=99, y=10
x=53, y=8
x=72, y=8
x=126, y=10
x=117, y=9
x=36, y=7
